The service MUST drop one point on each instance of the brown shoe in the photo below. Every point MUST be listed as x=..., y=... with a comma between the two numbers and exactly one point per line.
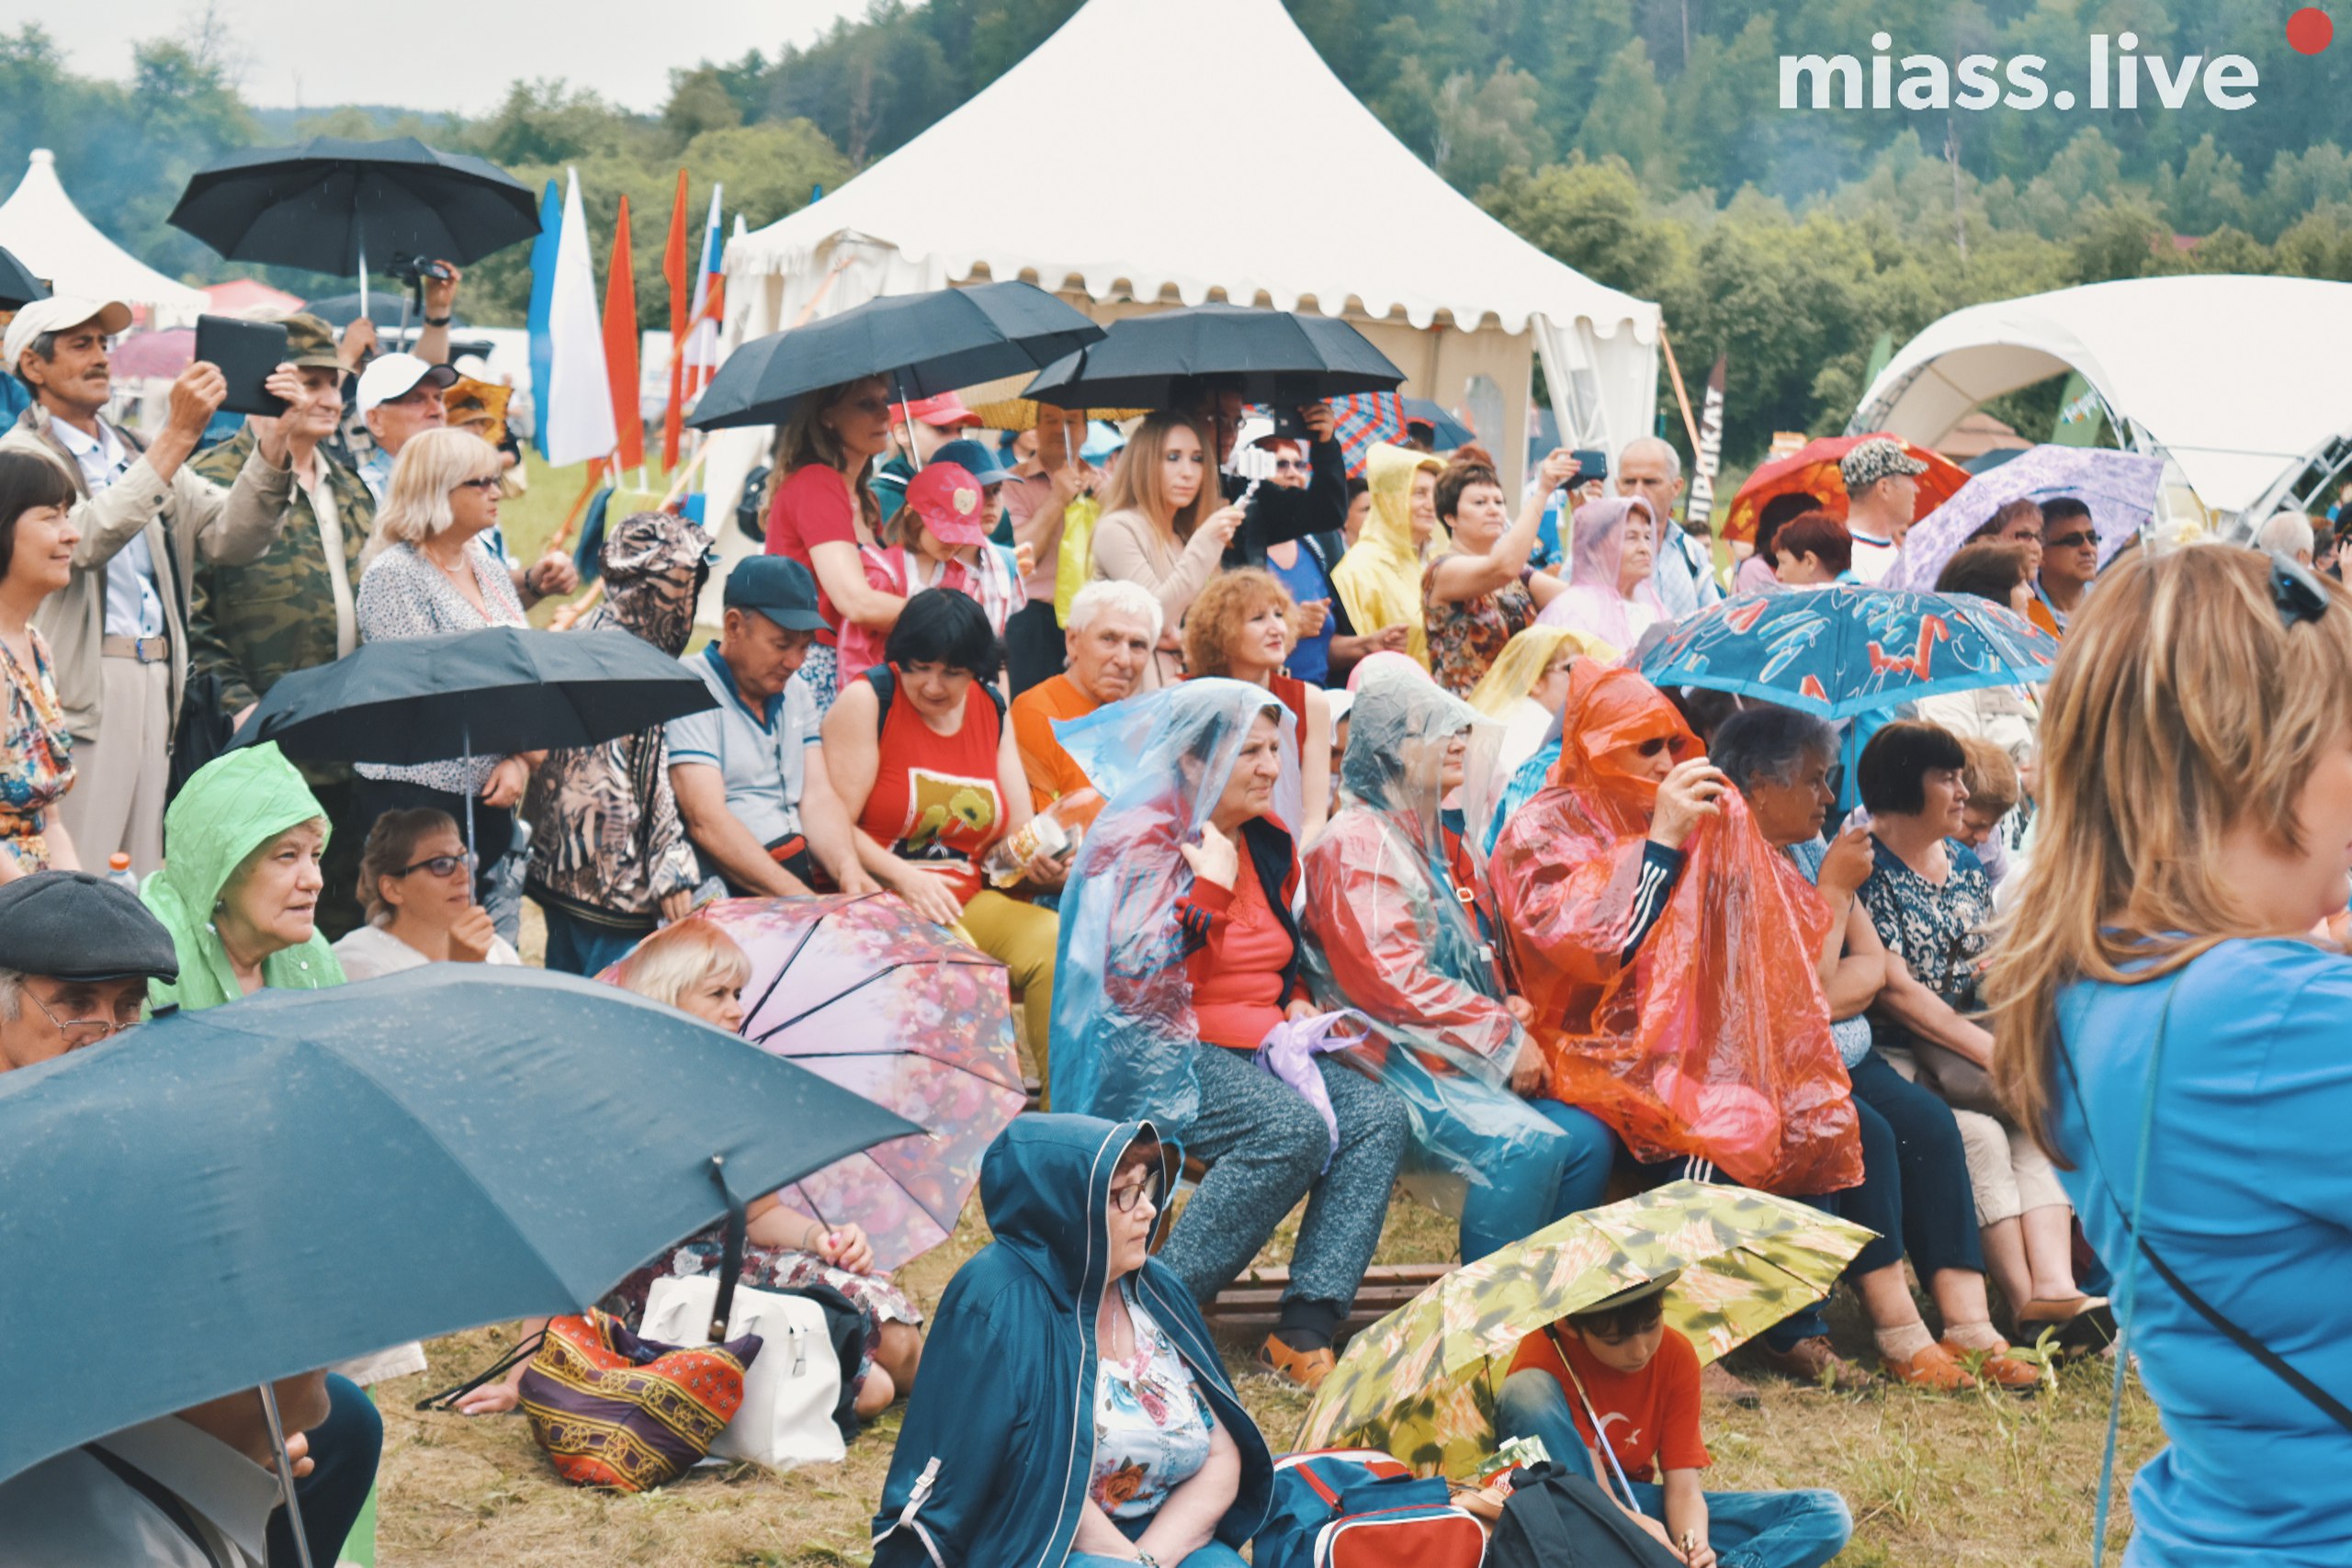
x=1717, y=1380
x=1932, y=1369
x=1811, y=1361
x=1999, y=1368
x=1307, y=1369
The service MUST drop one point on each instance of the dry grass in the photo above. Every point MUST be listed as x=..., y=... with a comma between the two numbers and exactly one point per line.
x=1981, y=1479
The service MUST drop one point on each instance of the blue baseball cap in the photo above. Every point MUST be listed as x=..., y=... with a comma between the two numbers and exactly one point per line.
x=777, y=587
x=975, y=459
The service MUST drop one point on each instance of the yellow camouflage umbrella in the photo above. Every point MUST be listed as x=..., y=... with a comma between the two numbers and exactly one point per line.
x=1000, y=406
x=1420, y=1383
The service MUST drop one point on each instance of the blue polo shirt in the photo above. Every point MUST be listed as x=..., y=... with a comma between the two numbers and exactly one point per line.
x=2249, y=1199
x=761, y=755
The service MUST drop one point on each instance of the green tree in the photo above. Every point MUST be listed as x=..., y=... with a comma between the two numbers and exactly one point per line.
x=1629, y=118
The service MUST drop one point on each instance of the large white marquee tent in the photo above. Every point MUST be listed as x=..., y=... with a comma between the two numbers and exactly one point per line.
x=42, y=227
x=2239, y=381
x=1150, y=153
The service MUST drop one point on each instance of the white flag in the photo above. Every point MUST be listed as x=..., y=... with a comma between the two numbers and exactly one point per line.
x=577, y=410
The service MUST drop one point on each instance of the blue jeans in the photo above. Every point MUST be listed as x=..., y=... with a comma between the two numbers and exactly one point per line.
x=582, y=947
x=1747, y=1529
x=1533, y=1187
x=1215, y=1554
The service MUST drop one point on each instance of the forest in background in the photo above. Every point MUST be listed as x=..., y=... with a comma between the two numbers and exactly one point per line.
x=1638, y=141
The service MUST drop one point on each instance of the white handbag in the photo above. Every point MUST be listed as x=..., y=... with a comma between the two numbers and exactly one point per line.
x=791, y=1386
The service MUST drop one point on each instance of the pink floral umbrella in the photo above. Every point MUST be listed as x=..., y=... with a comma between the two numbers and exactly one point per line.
x=859, y=990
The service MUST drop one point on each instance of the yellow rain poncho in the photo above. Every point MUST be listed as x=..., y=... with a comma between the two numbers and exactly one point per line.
x=1379, y=580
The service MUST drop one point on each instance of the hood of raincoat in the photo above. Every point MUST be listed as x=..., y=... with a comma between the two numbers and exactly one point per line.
x=1713, y=1039
x=993, y=1460
x=1513, y=676
x=1379, y=580
x=1596, y=555
x=231, y=806
x=1123, y=1025
x=1398, y=733
x=654, y=567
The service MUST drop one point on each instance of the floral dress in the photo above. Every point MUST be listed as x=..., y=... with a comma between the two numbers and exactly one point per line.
x=1151, y=1426
x=1938, y=932
x=1467, y=635
x=36, y=756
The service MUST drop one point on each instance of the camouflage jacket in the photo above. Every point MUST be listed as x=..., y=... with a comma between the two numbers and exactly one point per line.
x=254, y=625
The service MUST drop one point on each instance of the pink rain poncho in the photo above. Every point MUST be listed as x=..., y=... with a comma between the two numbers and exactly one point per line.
x=1592, y=604
x=1713, y=1040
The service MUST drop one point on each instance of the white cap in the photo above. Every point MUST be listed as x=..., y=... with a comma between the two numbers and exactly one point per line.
x=474, y=368
x=395, y=375
x=59, y=312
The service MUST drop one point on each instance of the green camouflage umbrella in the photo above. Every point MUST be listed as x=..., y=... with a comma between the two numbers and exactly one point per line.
x=1421, y=1382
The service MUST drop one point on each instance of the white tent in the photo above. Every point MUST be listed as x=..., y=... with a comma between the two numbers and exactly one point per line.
x=2235, y=379
x=1149, y=154
x=46, y=231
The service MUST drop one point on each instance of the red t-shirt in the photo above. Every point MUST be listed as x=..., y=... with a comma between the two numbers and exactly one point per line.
x=935, y=797
x=813, y=507
x=1238, y=974
x=1652, y=1416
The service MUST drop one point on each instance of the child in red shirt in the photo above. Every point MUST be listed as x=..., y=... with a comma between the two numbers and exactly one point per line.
x=1618, y=1368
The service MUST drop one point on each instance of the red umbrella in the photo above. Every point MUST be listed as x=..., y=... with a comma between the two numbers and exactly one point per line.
x=154, y=356
x=1811, y=470
x=859, y=990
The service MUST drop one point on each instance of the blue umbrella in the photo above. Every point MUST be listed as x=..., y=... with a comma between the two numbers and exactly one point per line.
x=1844, y=649
x=219, y=1199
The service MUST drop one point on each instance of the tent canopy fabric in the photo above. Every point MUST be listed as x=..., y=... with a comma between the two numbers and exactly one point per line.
x=2235, y=379
x=48, y=234
x=1350, y=223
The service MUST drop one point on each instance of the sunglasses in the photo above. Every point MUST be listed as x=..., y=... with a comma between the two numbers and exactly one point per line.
x=2296, y=591
x=440, y=866
x=1290, y=466
x=2070, y=541
x=1125, y=1199
x=1654, y=745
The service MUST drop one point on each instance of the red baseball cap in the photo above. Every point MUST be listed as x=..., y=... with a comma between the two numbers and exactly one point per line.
x=946, y=412
x=947, y=498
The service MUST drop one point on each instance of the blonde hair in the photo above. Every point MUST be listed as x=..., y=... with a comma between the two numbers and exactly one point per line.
x=1523, y=661
x=2180, y=708
x=416, y=498
x=1991, y=776
x=1135, y=484
x=1224, y=603
x=675, y=959
x=806, y=439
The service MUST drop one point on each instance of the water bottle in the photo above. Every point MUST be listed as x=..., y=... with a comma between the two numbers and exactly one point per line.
x=118, y=872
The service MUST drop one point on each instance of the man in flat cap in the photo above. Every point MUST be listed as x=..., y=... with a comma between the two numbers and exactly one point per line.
x=1881, y=491
x=76, y=953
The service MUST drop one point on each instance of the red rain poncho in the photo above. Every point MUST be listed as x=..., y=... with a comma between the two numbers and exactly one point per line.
x=1715, y=1042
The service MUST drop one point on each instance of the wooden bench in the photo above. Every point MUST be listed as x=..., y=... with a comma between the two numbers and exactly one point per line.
x=1251, y=1303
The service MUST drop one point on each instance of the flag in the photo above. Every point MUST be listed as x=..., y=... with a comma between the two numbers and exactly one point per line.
x=673, y=273
x=709, y=305
x=543, y=250
x=2081, y=413
x=620, y=347
x=576, y=409
x=1700, y=508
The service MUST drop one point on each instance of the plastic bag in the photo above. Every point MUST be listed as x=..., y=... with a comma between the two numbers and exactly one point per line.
x=1074, y=564
x=1714, y=1041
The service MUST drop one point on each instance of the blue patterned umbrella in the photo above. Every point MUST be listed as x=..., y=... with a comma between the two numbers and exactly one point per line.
x=2119, y=487
x=1843, y=649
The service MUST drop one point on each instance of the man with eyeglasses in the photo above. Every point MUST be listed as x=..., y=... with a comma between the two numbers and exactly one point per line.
x=76, y=953
x=2069, y=562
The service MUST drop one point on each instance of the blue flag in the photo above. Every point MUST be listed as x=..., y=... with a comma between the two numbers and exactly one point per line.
x=543, y=251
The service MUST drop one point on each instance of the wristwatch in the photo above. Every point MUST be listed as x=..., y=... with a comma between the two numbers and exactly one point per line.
x=438, y=321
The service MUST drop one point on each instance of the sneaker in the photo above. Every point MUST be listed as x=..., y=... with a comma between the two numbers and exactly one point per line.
x=1303, y=1368
x=1999, y=1368
x=1717, y=1380
x=1932, y=1369
x=1811, y=1361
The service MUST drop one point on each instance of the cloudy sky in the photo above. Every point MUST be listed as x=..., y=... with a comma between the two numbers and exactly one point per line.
x=455, y=57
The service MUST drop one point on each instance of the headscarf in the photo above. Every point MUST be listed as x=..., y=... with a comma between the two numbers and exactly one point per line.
x=1597, y=552
x=1714, y=1041
x=234, y=806
x=1123, y=1026
x=1379, y=580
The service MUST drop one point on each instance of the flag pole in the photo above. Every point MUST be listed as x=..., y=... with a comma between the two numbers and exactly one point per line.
x=1690, y=426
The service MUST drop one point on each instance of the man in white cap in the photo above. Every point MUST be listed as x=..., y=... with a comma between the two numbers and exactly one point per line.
x=115, y=631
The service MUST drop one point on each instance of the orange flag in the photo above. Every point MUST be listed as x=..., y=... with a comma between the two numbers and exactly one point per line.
x=620, y=347
x=674, y=271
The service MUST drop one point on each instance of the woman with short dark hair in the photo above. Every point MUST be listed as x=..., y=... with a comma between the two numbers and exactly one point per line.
x=924, y=761
x=37, y=540
x=1479, y=594
x=1812, y=547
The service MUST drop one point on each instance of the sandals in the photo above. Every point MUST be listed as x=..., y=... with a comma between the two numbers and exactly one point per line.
x=1933, y=1369
x=1999, y=1368
x=1302, y=1368
x=2084, y=1323
x=1811, y=1361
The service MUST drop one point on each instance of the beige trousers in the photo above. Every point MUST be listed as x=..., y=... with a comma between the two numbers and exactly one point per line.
x=2006, y=1170
x=119, y=775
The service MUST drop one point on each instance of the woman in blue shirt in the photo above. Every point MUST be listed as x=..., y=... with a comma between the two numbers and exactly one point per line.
x=2160, y=987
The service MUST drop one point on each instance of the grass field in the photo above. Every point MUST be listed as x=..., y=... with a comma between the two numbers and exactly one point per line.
x=1932, y=1480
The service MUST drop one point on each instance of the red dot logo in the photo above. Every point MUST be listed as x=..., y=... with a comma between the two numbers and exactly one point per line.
x=2309, y=30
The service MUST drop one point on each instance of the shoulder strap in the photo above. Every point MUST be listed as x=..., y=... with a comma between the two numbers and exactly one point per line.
x=155, y=1491
x=884, y=682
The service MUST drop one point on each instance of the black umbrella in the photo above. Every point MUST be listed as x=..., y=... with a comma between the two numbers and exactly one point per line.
x=19, y=287
x=330, y=203
x=926, y=344
x=1270, y=356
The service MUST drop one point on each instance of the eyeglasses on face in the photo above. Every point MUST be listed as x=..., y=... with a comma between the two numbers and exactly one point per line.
x=488, y=482
x=1290, y=466
x=1125, y=1199
x=77, y=1032
x=440, y=866
x=2073, y=541
x=2296, y=591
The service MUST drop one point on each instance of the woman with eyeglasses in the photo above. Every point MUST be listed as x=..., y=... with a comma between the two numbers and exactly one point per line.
x=1090, y=1423
x=429, y=572
x=826, y=514
x=416, y=884
x=2171, y=1030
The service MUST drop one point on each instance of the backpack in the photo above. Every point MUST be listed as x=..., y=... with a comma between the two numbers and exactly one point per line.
x=1555, y=1519
x=752, y=506
x=1362, y=1508
x=884, y=682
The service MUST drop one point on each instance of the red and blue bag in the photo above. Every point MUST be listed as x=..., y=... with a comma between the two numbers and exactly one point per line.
x=1362, y=1508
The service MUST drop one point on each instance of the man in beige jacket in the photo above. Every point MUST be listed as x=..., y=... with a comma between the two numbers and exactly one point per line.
x=116, y=632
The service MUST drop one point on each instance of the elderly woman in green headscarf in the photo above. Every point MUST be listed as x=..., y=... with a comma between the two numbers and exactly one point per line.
x=240, y=885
